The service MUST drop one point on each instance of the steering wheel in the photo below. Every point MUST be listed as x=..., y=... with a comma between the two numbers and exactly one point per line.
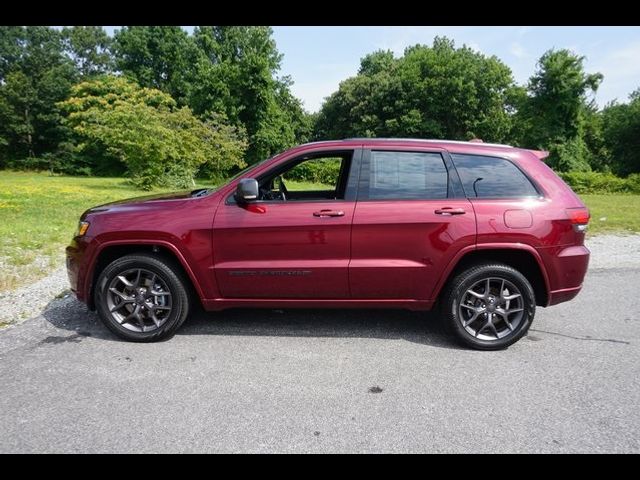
x=267, y=193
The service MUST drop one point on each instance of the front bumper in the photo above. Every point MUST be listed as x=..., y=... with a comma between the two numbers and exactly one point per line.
x=76, y=266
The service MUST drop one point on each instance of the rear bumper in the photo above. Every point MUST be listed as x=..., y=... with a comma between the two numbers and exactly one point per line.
x=559, y=296
x=567, y=267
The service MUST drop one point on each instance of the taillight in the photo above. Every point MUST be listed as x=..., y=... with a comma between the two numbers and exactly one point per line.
x=579, y=218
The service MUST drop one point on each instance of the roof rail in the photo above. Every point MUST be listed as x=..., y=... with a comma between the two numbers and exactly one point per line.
x=426, y=140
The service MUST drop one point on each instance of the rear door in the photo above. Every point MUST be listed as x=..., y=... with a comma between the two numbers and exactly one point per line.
x=410, y=219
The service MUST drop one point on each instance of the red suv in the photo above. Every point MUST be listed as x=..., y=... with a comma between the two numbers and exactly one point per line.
x=485, y=232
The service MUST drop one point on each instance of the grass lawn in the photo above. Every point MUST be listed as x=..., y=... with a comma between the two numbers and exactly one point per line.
x=613, y=213
x=39, y=213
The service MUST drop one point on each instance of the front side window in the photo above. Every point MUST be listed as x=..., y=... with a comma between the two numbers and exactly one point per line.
x=314, y=174
x=407, y=176
x=492, y=177
x=320, y=177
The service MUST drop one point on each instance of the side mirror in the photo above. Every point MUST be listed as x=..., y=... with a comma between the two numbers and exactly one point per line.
x=247, y=190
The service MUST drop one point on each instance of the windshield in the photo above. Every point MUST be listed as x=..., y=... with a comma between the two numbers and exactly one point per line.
x=249, y=167
x=201, y=192
x=242, y=172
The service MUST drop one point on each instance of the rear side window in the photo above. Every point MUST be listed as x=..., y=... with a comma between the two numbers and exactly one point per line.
x=492, y=177
x=407, y=175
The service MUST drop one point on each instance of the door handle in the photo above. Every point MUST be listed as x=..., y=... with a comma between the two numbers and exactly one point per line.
x=329, y=213
x=450, y=211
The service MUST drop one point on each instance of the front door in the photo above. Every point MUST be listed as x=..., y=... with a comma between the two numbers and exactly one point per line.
x=294, y=242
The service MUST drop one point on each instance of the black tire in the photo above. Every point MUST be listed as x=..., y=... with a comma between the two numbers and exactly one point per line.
x=458, y=291
x=172, y=278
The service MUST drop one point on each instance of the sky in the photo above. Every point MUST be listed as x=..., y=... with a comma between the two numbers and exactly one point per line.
x=319, y=58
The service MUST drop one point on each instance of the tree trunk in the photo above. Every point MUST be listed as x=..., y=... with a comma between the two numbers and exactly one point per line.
x=29, y=136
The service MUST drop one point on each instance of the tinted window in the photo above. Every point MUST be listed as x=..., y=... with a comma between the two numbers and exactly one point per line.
x=492, y=177
x=407, y=175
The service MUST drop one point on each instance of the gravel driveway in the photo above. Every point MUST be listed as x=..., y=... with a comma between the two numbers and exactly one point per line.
x=330, y=381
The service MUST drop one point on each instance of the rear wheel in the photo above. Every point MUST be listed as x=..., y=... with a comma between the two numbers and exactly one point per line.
x=489, y=306
x=142, y=298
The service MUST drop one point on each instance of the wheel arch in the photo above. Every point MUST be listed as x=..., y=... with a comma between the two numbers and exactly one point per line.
x=110, y=251
x=523, y=258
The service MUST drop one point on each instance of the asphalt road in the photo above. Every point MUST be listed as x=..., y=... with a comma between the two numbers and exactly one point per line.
x=299, y=381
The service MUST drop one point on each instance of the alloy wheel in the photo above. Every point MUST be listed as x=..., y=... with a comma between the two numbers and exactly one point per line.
x=139, y=300
x=491, y=309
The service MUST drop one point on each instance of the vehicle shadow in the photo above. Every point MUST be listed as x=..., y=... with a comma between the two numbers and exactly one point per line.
x=423, y=328
x=417, y=327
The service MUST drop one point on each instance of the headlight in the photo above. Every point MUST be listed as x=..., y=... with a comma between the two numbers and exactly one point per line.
x=82, y=228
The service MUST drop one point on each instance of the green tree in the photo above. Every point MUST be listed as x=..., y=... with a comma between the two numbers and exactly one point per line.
x=88, y=47
x=237, y=78
x=11, y=48
x=621, y=133
x=376, y=62
x=160, y=143
x=299, y=121
x=219, y=71
x=598, y=154
x=553, y=115
x=162, y=57
x=34, y=75
x=430, y=92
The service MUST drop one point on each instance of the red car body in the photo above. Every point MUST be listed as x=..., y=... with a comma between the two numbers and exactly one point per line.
x=344, y=253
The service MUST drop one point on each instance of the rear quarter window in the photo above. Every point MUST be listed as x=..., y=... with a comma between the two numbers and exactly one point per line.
x=492, y=177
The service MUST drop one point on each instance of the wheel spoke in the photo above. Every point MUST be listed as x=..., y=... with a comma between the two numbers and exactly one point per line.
x=492, y=326
x=123, y=279
x=475, y=294
x=508, y=298
x=473, y=318
x=121, y=295
x=155, y=319
x=505, y=316
x=131, y=316
x=504, y=313
x=140, y=318
x=137, y=282
x=487, y=288
x=120, y=305
x=484, y=325
x=160, y=307
x=159, y=294
x=488, y=323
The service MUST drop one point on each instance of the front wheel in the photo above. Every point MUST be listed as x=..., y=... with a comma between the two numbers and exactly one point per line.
x=142, y=298
x=489, y=306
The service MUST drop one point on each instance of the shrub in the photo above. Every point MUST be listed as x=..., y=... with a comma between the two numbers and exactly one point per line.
x=598, y=182
x=159, y=143
x=324, y=171
x=569, y=155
